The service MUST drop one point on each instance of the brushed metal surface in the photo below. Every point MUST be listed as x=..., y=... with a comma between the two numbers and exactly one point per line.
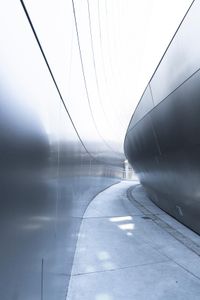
x=163, y=146
x=47, y=178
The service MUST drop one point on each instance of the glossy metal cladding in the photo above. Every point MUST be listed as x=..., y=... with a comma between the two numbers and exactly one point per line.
x=47, y=178
x=163, y=138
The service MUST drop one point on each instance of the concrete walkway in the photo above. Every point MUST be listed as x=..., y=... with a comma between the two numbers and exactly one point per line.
x=130, y=249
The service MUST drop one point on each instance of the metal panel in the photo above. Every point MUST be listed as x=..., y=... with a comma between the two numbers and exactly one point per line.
x=144, y=106
x=171, y=173
x=47, y=178
x=171, y=176
x=182, y=58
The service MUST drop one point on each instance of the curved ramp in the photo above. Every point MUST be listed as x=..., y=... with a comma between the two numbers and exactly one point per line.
x=124, y=253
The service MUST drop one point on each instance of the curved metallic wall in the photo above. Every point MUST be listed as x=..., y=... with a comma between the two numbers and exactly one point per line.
x=163, y=138
x=47, y=176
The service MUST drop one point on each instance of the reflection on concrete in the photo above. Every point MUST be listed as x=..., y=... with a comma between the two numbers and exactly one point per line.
x=145, y=260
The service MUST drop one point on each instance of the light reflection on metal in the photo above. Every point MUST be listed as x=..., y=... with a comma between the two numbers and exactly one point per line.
x=163, y=137
x=47, y=178
x=51, y=166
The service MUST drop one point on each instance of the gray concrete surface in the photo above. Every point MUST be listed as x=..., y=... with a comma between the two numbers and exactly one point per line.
x=130, y=249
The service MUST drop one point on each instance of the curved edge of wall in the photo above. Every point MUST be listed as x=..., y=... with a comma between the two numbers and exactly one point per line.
x=163, y=144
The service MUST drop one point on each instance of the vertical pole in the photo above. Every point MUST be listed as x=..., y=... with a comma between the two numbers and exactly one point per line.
x=42, y=279
x=126, y=168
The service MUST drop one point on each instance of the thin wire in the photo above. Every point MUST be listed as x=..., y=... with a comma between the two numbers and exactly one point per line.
x=102, y=56
x=104, y=69
x=84, y=77
x=94, y=62
x=51, y=73
x=109, y=52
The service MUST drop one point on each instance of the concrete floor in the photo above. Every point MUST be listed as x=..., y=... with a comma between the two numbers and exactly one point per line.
x=130, y=249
